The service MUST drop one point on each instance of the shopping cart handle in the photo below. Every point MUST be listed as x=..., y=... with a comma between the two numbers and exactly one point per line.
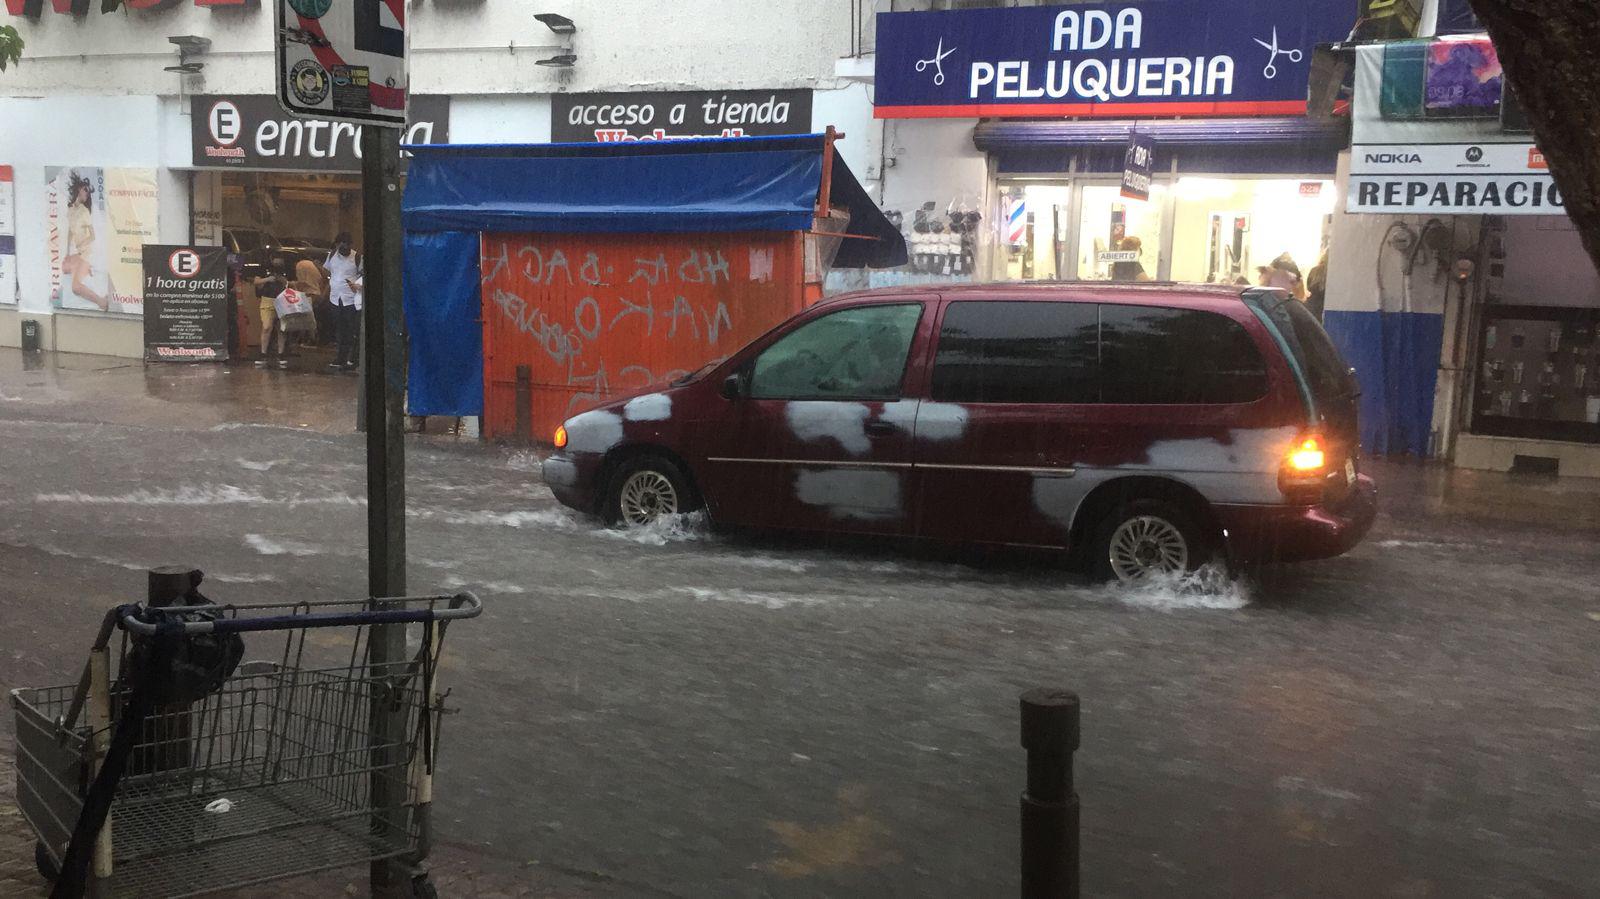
x=167, y=620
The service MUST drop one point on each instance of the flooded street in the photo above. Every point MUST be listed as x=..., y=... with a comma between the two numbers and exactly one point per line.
x=683, y=712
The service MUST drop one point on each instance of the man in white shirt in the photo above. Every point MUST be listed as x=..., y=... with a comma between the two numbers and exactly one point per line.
x=344, y=279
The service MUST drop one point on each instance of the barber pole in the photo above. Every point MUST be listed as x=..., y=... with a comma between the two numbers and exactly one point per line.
x=1016, y=220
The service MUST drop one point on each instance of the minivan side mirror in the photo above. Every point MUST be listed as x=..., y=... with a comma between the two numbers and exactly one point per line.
x=733, y=386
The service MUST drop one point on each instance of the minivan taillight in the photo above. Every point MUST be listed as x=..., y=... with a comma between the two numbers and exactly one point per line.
x=1304, y=471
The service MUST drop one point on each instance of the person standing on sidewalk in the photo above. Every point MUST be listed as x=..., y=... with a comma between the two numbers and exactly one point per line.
x=344, y=276
x=267, y=288
x=309, y=274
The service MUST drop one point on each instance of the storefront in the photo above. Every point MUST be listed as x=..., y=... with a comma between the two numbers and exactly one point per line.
x=267, y=186
x=1229, y=196
x=1480, y=343
x=1008, y=131
x=165, y=110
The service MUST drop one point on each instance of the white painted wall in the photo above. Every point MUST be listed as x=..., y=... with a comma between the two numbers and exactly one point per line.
x=849, y=109
x=486, y=47
x=1363, y=258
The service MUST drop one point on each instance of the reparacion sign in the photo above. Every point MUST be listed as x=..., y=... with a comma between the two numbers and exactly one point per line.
x=1177, y=57
x=1486, y=178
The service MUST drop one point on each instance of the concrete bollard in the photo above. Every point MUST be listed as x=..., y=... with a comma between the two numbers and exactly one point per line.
x=1050, y=804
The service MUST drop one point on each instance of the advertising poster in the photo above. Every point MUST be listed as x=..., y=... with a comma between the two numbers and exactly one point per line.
x=186, y=303
x=8, y=236
x=98, y=221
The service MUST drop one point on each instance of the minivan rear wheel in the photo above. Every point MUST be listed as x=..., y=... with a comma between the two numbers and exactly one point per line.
x=1148, y=536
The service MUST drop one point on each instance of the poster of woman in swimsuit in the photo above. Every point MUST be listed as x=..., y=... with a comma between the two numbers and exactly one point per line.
x=98, y=222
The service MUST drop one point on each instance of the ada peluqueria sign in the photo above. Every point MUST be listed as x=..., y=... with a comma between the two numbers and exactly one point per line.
x=185, y=303
x=1428, y=137
x=343, y=60
x=1167, y=57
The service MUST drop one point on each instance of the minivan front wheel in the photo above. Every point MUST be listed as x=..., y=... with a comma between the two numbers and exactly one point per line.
x=1145, y=537
x=644, y=489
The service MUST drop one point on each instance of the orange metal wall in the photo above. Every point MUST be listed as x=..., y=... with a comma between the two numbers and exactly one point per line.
x=597, y=315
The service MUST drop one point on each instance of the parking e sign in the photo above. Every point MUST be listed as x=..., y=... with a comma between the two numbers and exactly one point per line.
x=343, y=60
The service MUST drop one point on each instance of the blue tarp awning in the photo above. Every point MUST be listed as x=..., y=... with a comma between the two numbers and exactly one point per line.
x=702, y=185
x=456, y=192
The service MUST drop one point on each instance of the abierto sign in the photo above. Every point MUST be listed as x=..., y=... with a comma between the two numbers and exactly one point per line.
x=1170, y=57
x=250, y=131
x=343, y=60
x=676, y=115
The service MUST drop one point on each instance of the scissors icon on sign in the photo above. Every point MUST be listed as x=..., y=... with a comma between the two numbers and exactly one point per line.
x=938, y=62
x=1271, y=71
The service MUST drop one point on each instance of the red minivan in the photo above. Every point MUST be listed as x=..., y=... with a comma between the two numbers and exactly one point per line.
x=1154, y=426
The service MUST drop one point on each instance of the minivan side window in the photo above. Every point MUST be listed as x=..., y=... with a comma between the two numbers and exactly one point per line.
x=857, y=353
x=1155, y=355
x=1021, y=352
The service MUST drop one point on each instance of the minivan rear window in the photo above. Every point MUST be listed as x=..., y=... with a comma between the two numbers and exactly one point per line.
x=1158, y=355
x=1025, y=352
x=1324, y=370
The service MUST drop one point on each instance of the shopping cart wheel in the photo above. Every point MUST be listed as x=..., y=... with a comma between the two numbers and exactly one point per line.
x=46, y=865
x=423, y=888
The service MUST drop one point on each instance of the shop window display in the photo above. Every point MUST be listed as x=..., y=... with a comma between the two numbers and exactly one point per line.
x=1226, y=229
x=1539, y=375
x=1034, y=230
x=1120, y=239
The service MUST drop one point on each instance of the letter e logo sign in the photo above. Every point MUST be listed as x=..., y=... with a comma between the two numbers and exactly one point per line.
x=225, y=123
x=185, y=263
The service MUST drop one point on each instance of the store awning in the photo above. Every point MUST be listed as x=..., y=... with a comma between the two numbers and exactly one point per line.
x=1002, y=135
x=683, y=186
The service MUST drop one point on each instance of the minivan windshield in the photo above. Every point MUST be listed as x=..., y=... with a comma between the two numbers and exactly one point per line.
x=1320, y=364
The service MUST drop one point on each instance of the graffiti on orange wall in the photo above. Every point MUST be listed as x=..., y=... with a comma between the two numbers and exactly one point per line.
x=592, y=317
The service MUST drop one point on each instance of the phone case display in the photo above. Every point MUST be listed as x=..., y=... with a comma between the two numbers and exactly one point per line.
x=1540, y=370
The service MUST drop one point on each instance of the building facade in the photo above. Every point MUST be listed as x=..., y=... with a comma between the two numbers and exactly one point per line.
x=205, y=155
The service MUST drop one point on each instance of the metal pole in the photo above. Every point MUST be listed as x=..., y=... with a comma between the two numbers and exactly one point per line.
x=383, y=385
x=1050, y=805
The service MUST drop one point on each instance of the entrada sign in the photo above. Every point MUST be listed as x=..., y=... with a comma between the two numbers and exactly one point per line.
x=1179, y=57
x=250, y=131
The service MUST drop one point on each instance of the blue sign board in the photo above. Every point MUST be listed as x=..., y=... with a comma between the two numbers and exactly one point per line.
x=1128, y=59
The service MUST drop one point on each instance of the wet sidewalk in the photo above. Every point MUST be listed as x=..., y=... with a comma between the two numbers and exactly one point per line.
x=72, y=387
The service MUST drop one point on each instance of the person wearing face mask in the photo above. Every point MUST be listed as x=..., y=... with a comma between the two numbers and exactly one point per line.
x=344, y=270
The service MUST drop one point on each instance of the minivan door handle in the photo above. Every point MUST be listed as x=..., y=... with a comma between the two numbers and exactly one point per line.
x=882, y=428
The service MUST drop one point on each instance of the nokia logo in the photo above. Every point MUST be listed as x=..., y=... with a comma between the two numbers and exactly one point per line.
x=1391, y=158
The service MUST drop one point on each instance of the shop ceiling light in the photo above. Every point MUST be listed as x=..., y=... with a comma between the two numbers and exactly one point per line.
x=559, y=61
x=557, y=23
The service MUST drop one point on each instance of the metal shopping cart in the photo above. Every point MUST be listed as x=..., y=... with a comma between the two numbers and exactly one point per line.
x=272, y=773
